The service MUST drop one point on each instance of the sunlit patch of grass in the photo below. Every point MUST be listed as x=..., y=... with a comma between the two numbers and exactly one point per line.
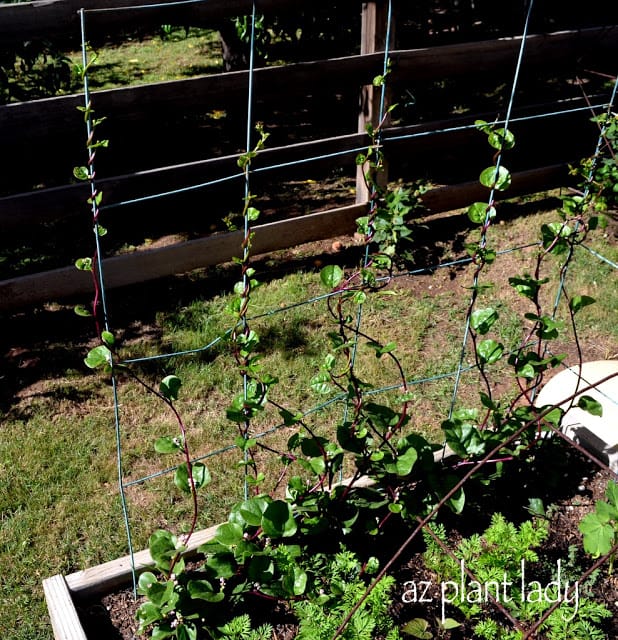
x=155, y=58
x=592, y=276
x=59, y=507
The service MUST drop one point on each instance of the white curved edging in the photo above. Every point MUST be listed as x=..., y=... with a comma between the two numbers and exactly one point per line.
x=598, y=434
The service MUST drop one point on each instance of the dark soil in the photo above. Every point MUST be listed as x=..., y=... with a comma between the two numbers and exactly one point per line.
x=570, y=490
x=567, y=482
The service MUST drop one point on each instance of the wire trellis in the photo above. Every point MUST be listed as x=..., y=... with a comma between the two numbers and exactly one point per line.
x=382, y=140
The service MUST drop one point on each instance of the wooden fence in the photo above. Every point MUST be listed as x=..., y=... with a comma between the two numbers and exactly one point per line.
x=48, y=18
x=41, y=124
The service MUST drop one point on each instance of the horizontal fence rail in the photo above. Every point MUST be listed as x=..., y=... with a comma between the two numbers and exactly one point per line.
x=46, y=18
x=41, y=124
x=60, y=115
x=143, y=266
x=434, y=138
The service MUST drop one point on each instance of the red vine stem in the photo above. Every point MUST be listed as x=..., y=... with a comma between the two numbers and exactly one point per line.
x=186, y=455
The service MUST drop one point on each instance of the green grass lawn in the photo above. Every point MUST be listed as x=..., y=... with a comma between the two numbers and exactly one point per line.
x=157, y=57
x=42, y=70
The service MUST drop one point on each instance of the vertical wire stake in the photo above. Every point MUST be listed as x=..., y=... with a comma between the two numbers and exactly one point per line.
x=99, y=285
x=373, y=194
x=247, y=229
x=483, y=240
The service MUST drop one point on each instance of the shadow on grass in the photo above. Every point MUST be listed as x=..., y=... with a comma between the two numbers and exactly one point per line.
x=116, y=74
x=46, y=342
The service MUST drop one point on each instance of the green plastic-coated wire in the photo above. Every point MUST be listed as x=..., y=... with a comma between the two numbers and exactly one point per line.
x=100, y=288
x=483, y=240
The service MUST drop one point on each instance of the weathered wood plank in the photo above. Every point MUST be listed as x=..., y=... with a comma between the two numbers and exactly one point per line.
x=142, y=266
x=45, y=18
x=554, y=50
x=109, y=575
x=35, y=119
x=45, y=205
x=62, y=613
x=20, y=210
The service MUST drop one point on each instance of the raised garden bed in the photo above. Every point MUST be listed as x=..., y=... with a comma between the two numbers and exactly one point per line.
x=98, y=603
x=64, y=594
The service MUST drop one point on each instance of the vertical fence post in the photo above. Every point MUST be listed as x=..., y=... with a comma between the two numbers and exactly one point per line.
x=373, y=39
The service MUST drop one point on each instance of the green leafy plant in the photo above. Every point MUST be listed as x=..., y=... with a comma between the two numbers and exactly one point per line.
x=266, y=548
x=421, y=628
x=496, y=566
x=341, y=588
x=386, y=227
x=32, y=70
x=289, y=36
x=239, y=628
x=600, y=528
x=269, y=548
x=599, y=173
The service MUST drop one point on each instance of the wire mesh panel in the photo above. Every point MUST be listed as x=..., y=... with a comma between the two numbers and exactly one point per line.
x=381, y=398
